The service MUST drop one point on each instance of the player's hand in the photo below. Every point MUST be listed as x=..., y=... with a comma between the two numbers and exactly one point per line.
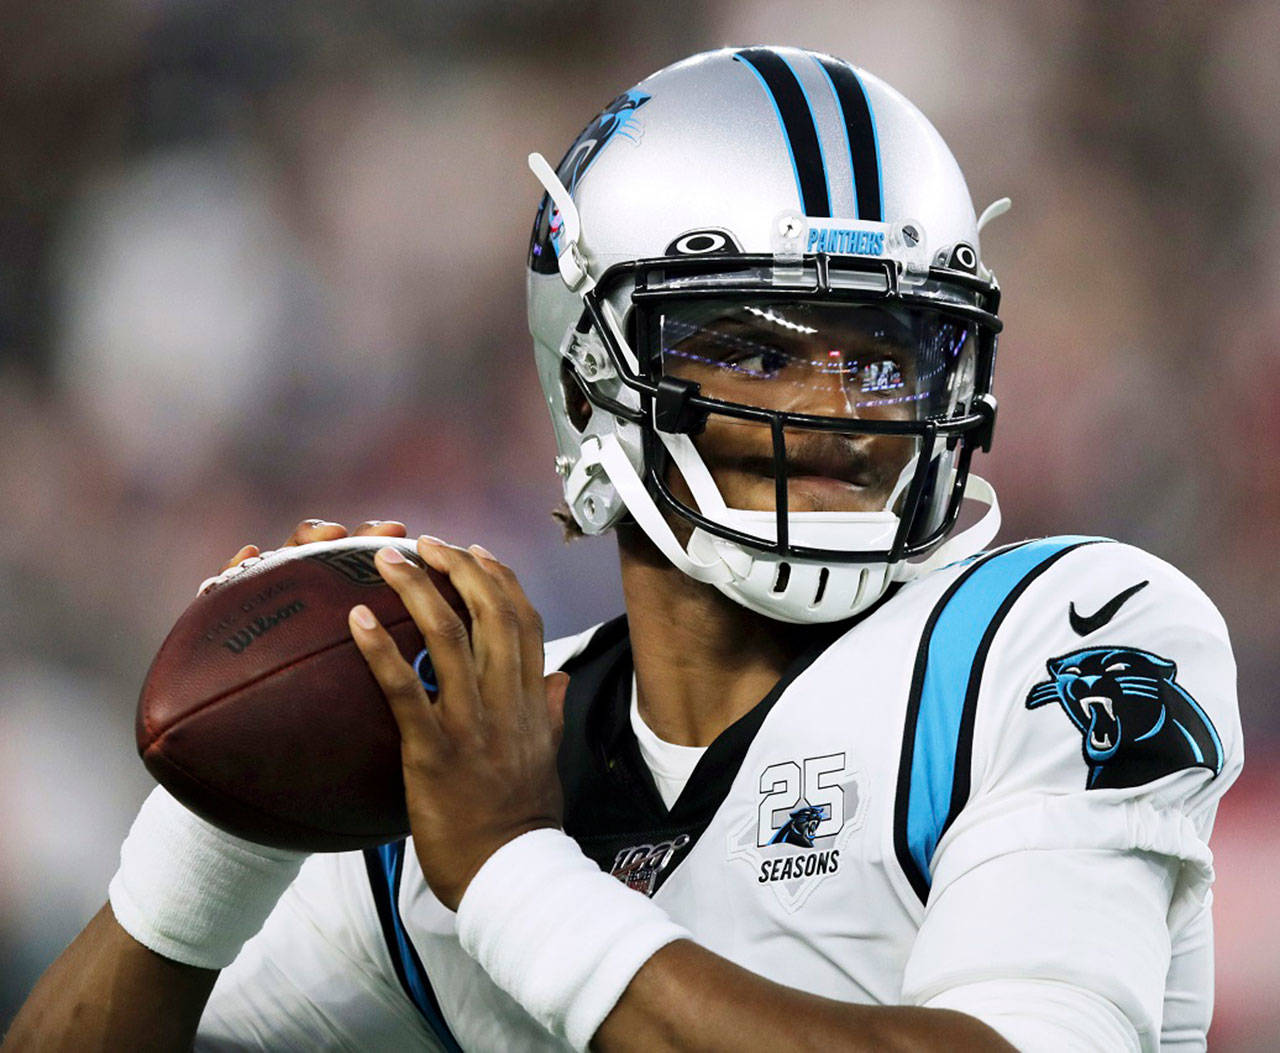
x=479, y=761
x=322, y=530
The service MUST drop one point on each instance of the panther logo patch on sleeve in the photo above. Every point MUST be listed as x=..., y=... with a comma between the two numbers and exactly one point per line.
x=1137, y=722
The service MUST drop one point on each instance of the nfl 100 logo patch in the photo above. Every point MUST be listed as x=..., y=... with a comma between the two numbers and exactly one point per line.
x=640, y=866
x=805, y=814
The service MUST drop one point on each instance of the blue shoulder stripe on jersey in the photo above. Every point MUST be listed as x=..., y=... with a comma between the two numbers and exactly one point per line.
x=795, y=116
x=860, y=135
x=937, y=742
x=385, y=865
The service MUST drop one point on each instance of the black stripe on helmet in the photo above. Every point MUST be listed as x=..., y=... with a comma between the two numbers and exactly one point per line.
x=864, y=150
x=793, y=111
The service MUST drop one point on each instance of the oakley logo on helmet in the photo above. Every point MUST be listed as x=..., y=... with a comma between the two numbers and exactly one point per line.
x=703, y=243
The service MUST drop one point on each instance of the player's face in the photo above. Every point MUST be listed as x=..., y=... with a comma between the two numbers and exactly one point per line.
x=853, y=363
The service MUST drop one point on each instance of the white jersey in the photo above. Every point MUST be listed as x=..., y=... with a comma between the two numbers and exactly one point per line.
x=992, y=793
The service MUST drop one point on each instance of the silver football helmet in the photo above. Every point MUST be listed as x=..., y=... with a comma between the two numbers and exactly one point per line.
x=764, y=329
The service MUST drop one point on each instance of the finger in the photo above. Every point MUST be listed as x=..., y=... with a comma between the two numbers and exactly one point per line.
x=557, y=685
x=531, y=629
x=403, y=689
x=380, y=528
x=442, y=629
x=315, y=530
x=495, y=625
x=244, y=553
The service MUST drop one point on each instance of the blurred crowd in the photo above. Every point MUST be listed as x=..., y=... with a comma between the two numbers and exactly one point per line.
x=261, y=261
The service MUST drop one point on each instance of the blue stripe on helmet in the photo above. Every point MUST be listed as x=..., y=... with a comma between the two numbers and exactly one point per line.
x=861, y=137
x=795, y=118
x=813, y=116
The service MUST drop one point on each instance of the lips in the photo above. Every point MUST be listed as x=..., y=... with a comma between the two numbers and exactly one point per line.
x=844, y=464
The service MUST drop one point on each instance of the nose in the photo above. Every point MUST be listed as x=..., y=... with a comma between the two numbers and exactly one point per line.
x=1089, y=681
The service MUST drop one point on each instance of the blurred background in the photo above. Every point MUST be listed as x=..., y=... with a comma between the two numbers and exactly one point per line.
x=261, y=261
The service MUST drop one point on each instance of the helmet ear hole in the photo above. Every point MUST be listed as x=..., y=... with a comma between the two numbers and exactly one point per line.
x=576, y=403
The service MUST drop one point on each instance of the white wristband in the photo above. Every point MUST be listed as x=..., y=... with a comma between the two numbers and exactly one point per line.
x=190, y=891
x=558, y=934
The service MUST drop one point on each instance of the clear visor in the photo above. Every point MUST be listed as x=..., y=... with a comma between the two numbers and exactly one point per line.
x=855, y=363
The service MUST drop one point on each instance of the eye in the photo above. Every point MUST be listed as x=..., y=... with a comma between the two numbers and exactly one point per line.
x=1116, y=667
x=1071, y=670
x=766, y=362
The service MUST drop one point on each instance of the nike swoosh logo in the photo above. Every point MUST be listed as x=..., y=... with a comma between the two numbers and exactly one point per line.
x=1088, y=623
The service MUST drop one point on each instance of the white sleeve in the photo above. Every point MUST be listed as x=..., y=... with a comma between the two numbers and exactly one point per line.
x=1070, y=891
x=1187, y=1011
x=556, y=653
x=316, y=976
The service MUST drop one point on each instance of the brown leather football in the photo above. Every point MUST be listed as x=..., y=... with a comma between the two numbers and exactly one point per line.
x=260, y=714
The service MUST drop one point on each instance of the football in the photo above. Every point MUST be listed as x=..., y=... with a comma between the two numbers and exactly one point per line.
x=259, y=712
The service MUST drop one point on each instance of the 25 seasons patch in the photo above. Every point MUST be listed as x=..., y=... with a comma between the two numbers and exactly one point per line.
x=788, y=868
x=805, y=814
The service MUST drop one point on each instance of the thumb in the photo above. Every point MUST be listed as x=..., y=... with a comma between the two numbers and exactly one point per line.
x=244, y=553
x=557, y=684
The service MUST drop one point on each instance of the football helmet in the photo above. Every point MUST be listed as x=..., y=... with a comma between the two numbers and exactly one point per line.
x=765, y=331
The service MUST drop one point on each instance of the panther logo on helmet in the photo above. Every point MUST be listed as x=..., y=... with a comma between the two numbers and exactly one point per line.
x=616, y=119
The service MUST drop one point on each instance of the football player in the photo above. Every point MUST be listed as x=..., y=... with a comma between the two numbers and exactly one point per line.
x=842, y=777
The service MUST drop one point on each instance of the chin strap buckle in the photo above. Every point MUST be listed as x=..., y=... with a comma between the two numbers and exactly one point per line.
x=671, y=410
x=985, y=407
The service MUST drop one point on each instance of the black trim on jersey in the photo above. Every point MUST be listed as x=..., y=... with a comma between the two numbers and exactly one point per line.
x=797, y=121
x=863, y=149
x=963, y=757
x=611, y=801
x=920, y=882
x=385, y=866
x=964, y=748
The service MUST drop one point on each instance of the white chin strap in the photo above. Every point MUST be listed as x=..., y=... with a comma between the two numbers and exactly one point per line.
x=791, y=590
x=609, y=454
x=968, y=542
